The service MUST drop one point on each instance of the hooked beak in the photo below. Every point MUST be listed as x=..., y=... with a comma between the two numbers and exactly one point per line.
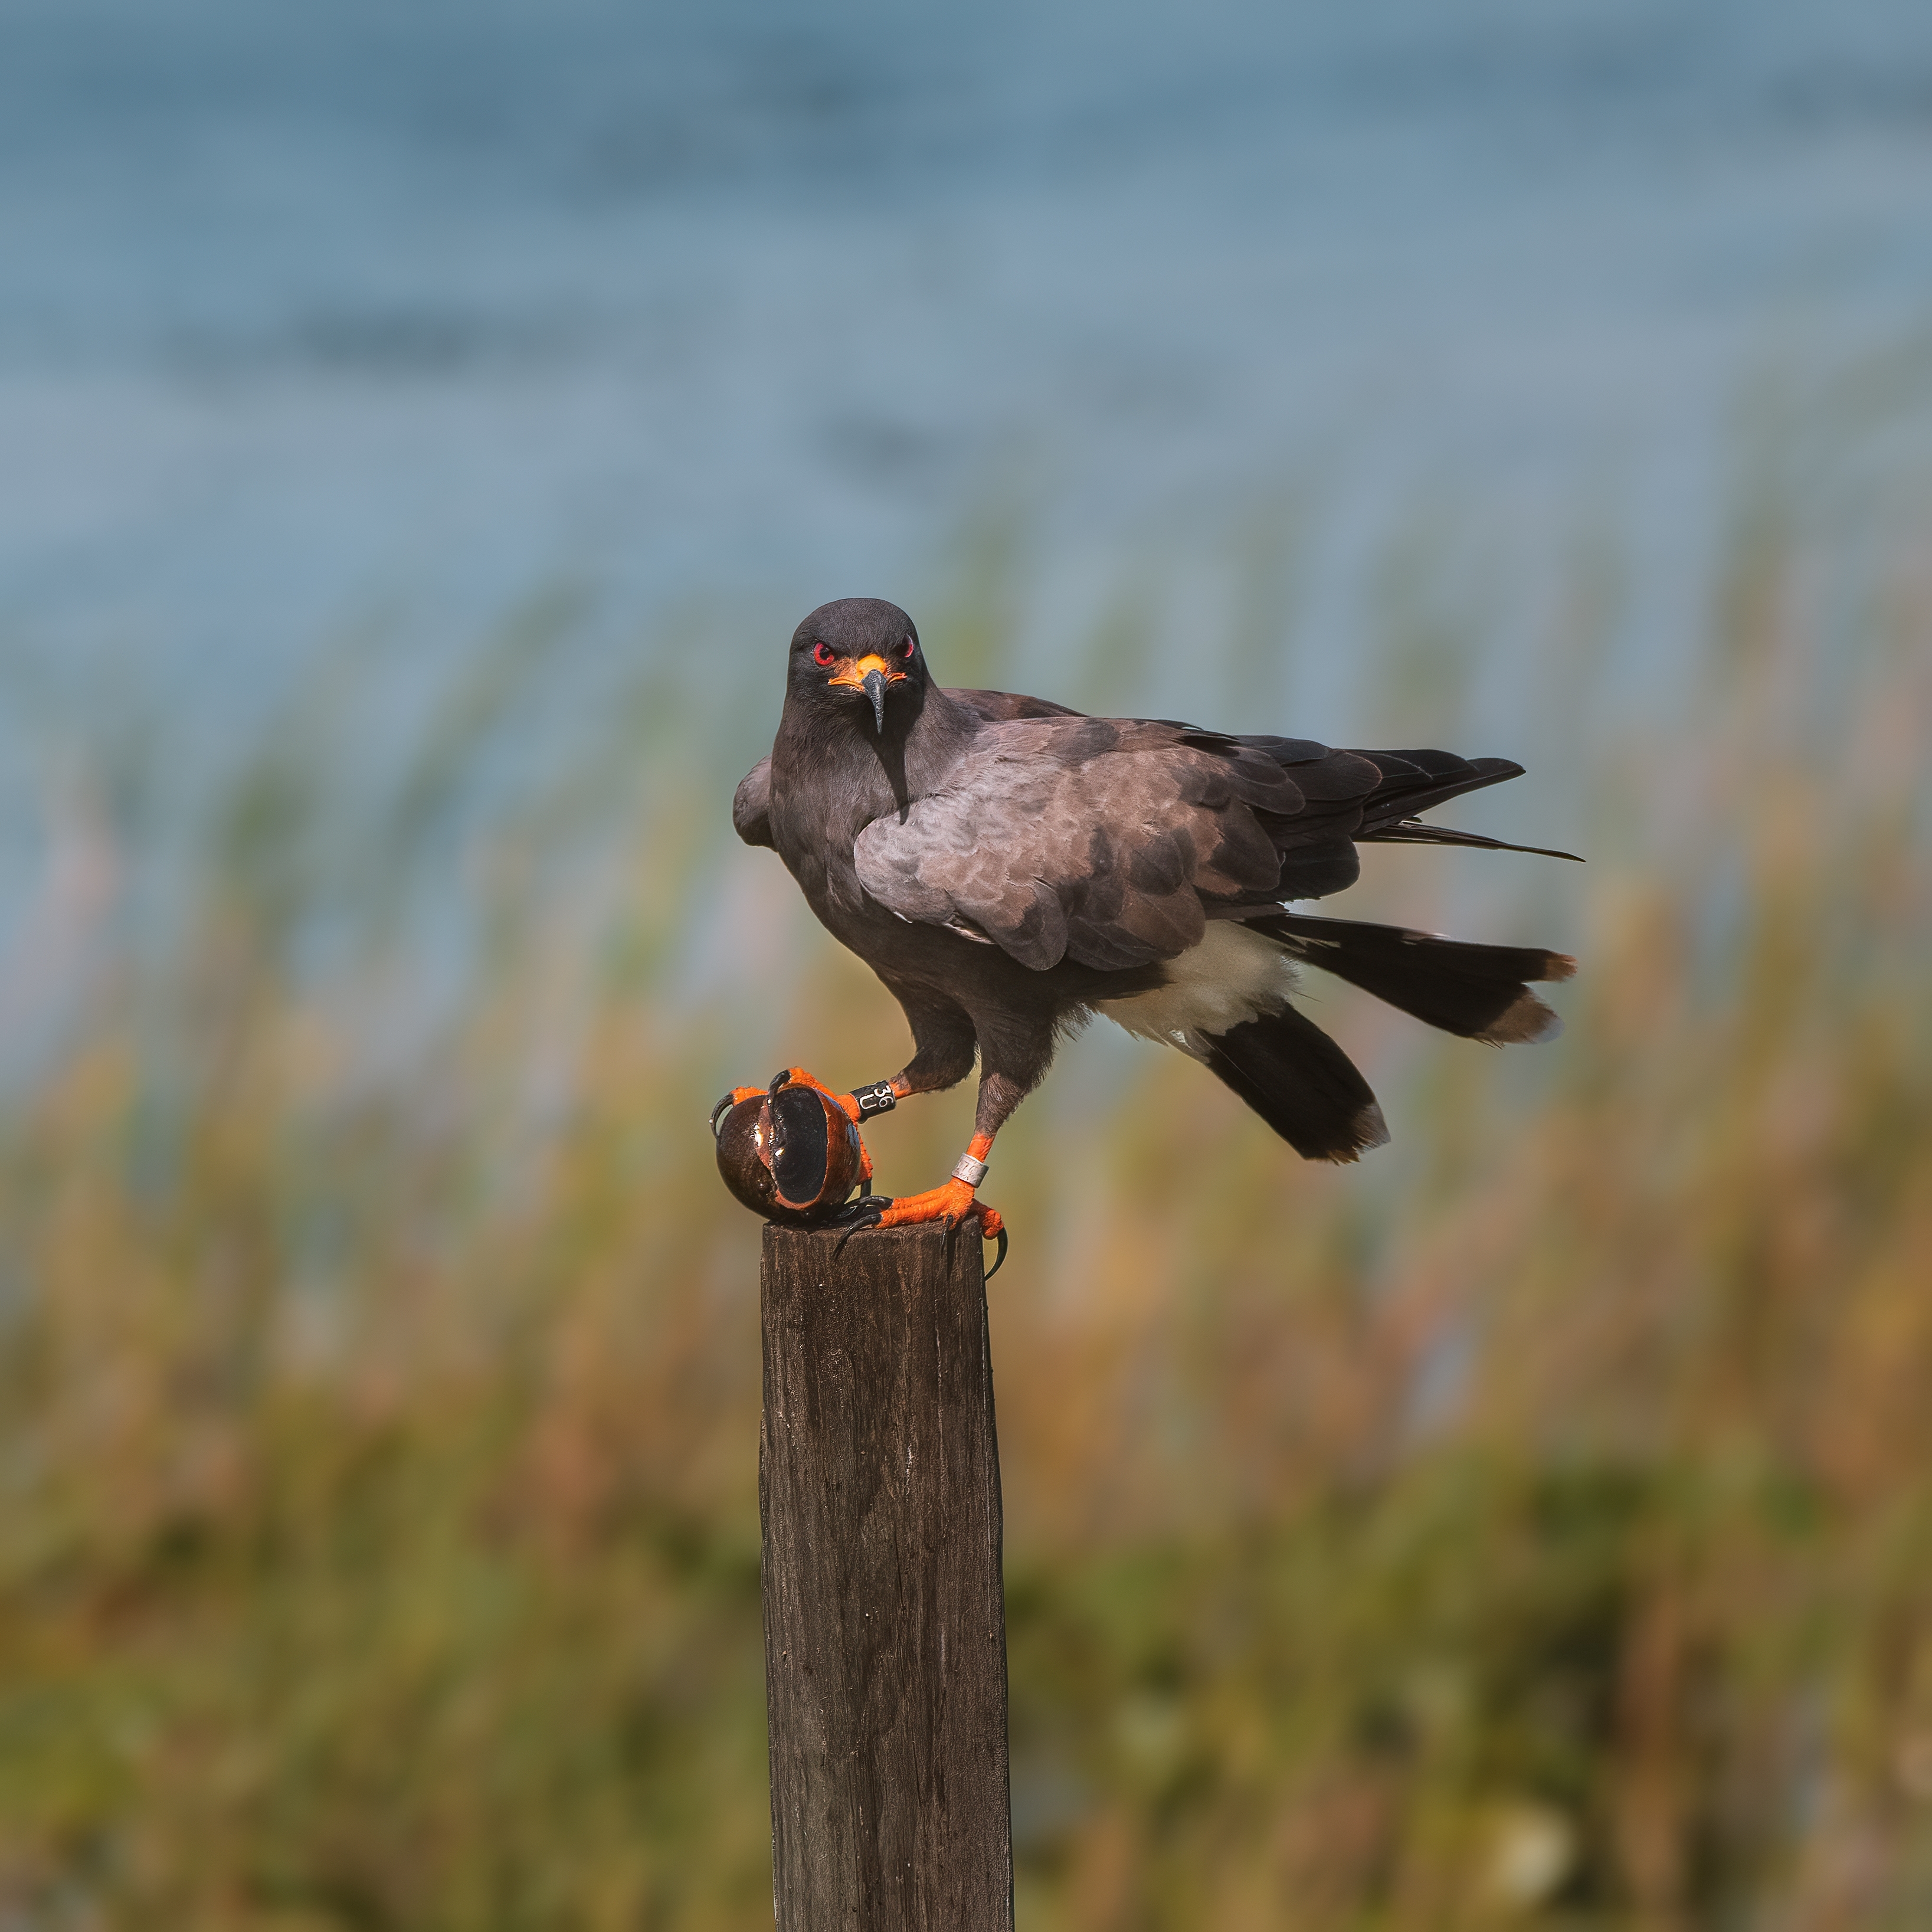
x=870, y=674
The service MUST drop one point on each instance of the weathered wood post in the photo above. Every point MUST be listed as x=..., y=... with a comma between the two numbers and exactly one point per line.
x=885, y=1623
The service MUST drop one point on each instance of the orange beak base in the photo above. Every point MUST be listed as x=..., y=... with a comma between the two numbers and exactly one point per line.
x=870, y=674
x=854, y=671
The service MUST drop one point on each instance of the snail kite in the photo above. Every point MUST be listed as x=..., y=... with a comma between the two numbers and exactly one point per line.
x=1009, y=867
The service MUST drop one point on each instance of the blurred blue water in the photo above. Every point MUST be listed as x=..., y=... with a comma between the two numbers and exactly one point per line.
x=317, y=318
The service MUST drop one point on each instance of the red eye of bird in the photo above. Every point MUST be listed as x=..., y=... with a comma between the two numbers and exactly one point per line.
x=907, y=648
x=823, y=654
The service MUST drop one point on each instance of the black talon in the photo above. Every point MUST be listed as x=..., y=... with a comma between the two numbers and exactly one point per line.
x=857, y=1215
x=782, y=1077
x=717, y=1113
x=1000, y=1259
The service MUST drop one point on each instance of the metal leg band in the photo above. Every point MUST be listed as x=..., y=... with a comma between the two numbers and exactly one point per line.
x=970, y=1171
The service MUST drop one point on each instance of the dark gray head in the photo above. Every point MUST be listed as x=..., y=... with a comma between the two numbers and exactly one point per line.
x=857, y=653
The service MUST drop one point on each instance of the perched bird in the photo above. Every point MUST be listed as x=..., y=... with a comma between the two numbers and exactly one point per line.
x=1009, y=868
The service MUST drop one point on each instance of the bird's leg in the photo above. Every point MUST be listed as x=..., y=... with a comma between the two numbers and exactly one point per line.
x=943, y=1050
x=955, y=1202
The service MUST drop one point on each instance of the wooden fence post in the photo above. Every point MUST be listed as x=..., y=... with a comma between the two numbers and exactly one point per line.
x=885, y=1623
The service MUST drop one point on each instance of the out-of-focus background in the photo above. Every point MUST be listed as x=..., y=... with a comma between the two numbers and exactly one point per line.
x=420, y=427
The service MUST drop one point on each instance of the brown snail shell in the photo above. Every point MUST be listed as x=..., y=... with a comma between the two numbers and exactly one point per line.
x=791, y=1154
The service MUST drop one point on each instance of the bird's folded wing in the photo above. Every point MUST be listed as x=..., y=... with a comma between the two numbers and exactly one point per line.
x=1104, y=841
x=752, y=804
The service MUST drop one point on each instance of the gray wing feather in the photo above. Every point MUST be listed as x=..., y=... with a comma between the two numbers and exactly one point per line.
x=1104, y=841
x=752, y=804
x=1112, y=841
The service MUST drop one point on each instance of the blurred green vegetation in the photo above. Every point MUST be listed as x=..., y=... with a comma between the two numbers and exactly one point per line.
x=1536, y=1528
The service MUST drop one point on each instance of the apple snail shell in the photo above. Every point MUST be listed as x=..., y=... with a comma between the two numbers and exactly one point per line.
x=791, y=1154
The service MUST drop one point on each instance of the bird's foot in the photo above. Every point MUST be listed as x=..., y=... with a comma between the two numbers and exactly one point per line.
x=867, y=1210
x=796, y=1076
x=850, y=1105
x=954, y=1200
x=952, y=1206
x=730, y=1100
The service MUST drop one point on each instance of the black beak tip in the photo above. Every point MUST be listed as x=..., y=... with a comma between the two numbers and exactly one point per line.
x=875, y=689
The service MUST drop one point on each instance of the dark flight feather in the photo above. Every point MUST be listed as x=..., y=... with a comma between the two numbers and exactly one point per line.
x=1301, y=1083
x=1411, y=831
x=1478, y=992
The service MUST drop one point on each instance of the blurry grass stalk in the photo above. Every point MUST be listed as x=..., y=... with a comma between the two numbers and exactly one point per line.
x=1539, y=1528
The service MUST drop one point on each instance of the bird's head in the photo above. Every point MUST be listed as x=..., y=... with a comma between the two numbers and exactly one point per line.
x=859, y=655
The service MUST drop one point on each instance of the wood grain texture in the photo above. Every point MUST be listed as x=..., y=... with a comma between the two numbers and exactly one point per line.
x=885, y=1629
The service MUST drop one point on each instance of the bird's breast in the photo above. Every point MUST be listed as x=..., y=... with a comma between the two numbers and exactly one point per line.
x=816, y=845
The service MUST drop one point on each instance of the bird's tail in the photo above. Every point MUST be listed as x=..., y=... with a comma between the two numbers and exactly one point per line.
x=1306, y=1087
x=1299, y=1081
x=1480, y=992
